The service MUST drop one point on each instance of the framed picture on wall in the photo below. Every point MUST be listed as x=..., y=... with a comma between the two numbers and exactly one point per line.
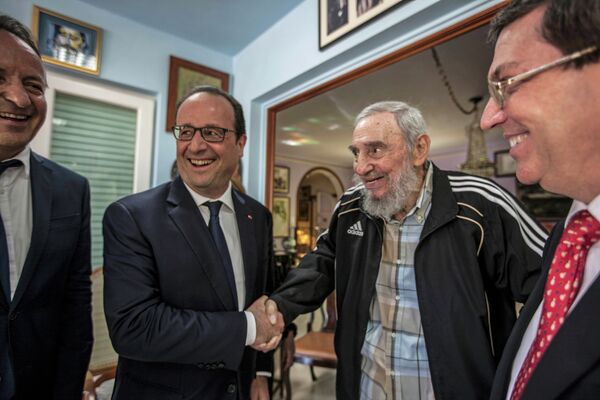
x=340, y=17
x=281, y=179
x=281, y=216
x=66, y=41
x=183, y=76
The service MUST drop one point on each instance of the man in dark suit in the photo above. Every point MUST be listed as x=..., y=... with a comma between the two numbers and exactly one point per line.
x=181, y=263
x=545, y=94
x=45, y=295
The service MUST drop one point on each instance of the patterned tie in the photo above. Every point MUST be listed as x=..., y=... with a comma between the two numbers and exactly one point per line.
x=217, y=234
x=562, y=285
x=7, y=380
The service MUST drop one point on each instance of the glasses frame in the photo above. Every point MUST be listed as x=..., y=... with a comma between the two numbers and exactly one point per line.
x=497, y=89
x=202, y=131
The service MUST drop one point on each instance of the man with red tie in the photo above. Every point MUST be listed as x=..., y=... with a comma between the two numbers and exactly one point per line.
x=545, y=94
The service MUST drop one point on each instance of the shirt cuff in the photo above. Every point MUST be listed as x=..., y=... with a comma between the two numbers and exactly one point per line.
x=251, y=331
x=264, y=373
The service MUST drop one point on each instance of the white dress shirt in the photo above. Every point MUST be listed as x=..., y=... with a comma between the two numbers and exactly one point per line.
x=231, y=232
x=590, y=274
x=17, y=214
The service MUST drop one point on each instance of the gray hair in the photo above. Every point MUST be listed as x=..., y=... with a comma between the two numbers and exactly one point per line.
x=409, y=119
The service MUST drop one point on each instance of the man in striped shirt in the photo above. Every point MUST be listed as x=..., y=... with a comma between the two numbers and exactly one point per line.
x=426, y=264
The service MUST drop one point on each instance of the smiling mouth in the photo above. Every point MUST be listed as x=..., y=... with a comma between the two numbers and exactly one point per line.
x=515, y=140
x=201, y=163
x=14, y=117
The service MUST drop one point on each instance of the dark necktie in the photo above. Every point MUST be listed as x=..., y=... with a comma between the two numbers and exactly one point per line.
x=217, y=234
x=7, y=380
x=563, y=283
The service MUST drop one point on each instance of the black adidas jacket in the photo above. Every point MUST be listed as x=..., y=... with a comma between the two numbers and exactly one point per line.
x=479, y=252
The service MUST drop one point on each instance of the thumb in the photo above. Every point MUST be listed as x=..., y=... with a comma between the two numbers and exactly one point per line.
x=271, y=309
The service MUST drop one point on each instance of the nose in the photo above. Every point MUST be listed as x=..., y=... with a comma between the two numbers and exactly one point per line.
x=14, y=92
x=198, y=143
x=362, y=165
x=492, y=115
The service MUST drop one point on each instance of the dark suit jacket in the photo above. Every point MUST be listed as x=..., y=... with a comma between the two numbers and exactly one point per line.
x=169, y=309
x=570, y=368
x=48, y=325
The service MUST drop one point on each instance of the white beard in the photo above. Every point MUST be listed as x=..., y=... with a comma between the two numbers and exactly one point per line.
x=394, y=201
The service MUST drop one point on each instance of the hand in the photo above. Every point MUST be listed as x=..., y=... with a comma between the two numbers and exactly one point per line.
x=259, y=390
x=268, y=331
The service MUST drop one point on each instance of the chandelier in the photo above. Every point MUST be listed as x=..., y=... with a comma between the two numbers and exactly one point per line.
x=477, y=162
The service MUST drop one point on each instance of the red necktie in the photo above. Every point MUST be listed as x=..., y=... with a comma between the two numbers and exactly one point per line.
x=562, y=285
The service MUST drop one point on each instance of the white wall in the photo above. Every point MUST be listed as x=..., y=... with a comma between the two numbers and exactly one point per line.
x=135, y=56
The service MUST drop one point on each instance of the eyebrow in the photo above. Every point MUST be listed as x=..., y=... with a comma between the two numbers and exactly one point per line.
x=500, y=69
x=375, y=143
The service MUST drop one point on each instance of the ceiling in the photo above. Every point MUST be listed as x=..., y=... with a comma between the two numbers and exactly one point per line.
x=324, y=124
x=226, y=26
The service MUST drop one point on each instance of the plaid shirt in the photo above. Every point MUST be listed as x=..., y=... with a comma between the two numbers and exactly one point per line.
x=394, y=358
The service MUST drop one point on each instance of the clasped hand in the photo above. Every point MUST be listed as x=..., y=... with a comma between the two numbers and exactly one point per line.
x=269, y=324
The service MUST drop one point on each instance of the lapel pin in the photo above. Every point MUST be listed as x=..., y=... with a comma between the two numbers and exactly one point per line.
x=249, y=217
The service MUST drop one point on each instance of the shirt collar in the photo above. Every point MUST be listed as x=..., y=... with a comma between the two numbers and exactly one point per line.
x=24, y=157
x=225, y=198
x=593, y=208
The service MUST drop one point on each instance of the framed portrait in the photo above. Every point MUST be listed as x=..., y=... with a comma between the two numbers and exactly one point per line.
x=66, y=41
x=281, y=179
x=281, y=216
x=504, y=164
x=183, y=76
x=340, y=17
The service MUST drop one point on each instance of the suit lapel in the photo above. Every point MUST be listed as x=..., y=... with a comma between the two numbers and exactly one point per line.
x=187, y=218
x=41, y=202
x=245, y=221
x=573, y=351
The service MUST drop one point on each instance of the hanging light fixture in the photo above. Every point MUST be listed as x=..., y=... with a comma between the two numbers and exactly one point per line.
x=477, y=162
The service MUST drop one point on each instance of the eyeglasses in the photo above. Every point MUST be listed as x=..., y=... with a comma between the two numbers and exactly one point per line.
x=498, y=89
x=211, y=134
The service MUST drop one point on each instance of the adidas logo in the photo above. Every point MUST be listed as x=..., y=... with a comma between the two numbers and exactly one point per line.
x=356, y=229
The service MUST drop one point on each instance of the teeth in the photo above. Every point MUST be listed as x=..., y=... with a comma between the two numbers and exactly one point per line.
x=515, y=140
x=201, y=162
x=13, y=116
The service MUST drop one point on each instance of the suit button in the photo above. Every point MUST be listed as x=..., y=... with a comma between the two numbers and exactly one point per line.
x=231, y=388
x=14, y=316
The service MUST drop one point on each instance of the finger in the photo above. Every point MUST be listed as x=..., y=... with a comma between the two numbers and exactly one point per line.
x=272, y=312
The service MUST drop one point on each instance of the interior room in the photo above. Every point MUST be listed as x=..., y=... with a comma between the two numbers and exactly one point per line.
x=300, y=86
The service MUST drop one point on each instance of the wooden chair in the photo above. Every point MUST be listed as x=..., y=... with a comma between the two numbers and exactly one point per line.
x=103, y=363
x=316, y=348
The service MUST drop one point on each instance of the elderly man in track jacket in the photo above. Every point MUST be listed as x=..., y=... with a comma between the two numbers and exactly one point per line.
x=427, y=266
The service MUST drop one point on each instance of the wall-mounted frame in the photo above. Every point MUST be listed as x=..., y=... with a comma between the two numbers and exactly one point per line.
x=281, y=216
x=281, y=179
x=504, y=164
x=340, y=17
x=66, y=41
x=183, y=76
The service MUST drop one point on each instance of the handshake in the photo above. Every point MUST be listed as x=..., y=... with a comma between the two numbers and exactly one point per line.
x=269, y=324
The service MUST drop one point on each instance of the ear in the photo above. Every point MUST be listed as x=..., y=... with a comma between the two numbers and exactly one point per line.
x=421, y=150
x=241, y=143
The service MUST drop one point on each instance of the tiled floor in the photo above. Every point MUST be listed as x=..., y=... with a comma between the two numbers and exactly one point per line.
x=304, y=389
